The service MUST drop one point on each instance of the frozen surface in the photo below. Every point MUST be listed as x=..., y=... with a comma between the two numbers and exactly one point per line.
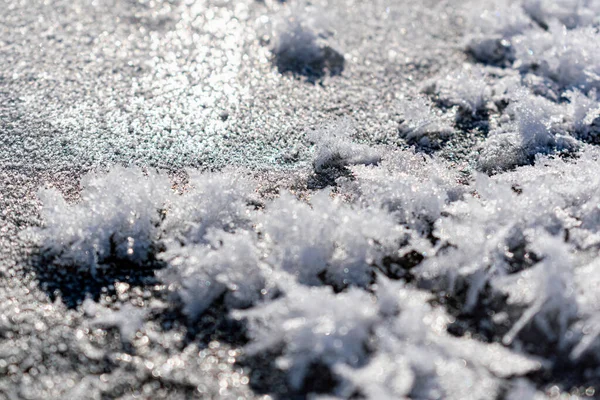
x=327, y=199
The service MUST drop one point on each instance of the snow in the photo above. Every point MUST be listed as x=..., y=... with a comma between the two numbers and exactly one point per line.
x=115, y=220
x=414, y=270
x=279, y=267
x=550, y=285
x=565, y=56
x=334, y=147
x=308, y=275
x=210, y=201
x=314, y=326
x=467, y=89
x=327, y=241
x=201, y=273
x=416, y=358
x=301, y=41
x=421, y=125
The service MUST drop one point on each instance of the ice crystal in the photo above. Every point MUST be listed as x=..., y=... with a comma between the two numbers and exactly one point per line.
x=227, y=266
x=327, y=240
x=314, y=326
x=301, y=42
x=421, y=124
x=334, y=147
x=115, y=220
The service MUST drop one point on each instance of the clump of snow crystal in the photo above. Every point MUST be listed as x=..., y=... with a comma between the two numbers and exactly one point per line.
x=584, y=112
x=534, y=119
x=552, y=44
x=571, y=13
x=572, y=186
x=467, y=89
x=414, y=357
x=501, y=152
x=308, y=277
x=512, y=236
x=324, y=242
x=536, y=125
x=116, y=219
x=414, y=190
x=587, y=281
x=301, y=42
x=312, y=326
x=328, y=240
x=212, y=201
x=569, y=57
x=335, y=149
x=227, y=266
x=548, y=289
x=421, y=125
x=490, y=40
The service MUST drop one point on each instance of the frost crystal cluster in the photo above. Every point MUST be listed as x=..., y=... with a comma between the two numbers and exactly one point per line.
x=386, y=272
x=301, y=41
x=353, y=281
x=547, y=95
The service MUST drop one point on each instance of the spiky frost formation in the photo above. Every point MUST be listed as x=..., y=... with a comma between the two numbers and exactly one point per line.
x=586, y=281
x=549, y=292
x=584, y=113
x=300, y=42
x=414, y=190
x=211, y=201
x=416, y=358
x=315, y=327
x=566, y=56
x=534, y=125
x=466, y=89
x=228, y=266
x=335, y=148
x=327, y=241
x=520, y=220
x=501, y=152
x=550, y=43
x=302, y=270
x=421, y=125
x=115, y=221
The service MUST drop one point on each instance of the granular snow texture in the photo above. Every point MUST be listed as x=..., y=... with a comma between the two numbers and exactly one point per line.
x=286, y=199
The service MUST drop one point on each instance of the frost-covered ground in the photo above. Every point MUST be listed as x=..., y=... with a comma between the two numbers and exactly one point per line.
x=333, y=200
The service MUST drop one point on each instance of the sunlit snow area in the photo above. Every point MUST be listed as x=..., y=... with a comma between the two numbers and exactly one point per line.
x=268, y=199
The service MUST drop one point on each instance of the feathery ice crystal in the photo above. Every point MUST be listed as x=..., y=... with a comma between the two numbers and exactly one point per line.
x=421, y=125
x=334, y=147
x=115, y=220
x=309, y=275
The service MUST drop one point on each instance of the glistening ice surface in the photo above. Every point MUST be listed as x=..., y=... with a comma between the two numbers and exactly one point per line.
x=287, y=199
